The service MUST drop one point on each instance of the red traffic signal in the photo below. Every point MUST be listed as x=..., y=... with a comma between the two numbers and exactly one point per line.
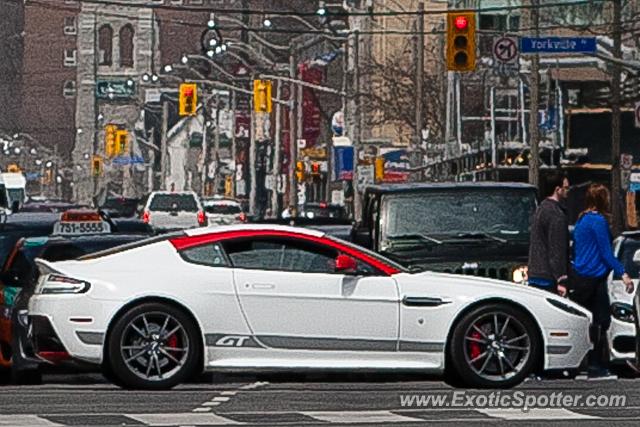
x=461, y=22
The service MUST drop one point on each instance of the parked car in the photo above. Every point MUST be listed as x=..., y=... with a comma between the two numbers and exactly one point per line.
x=120, y=207
x=19, y=272
x=622, y=333
x=476, y=228
x=175, y=210
x=223, y=211
x=274, y=297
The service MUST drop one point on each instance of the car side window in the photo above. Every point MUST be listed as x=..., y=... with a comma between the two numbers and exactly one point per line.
x=281, y=255
x=210, y=255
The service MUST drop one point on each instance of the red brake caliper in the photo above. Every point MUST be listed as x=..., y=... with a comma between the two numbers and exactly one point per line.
x=474, y=347
x=172, y=341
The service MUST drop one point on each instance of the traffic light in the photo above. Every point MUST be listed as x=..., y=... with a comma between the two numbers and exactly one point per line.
x=110, y=140
x=315, y=169
x=96, y=166
x=300, y=171
x=188, y=99
x=379, y=169
x=122, y=142
x=262, y=96
x=461, y=41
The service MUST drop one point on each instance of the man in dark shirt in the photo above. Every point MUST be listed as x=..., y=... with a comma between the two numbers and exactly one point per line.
x=549, y=246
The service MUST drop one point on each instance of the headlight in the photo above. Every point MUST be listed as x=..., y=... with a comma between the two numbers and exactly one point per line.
x=566, y=308
x=58, y=284
x=623, y=312
x=520, y=274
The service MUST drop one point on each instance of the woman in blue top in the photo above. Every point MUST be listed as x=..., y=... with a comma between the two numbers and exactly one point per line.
x=592, y=262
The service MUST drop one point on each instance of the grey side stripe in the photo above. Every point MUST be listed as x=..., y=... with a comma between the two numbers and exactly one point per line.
x=91, y=338
x=329, y=344
x=427, y=347
x=322, y=344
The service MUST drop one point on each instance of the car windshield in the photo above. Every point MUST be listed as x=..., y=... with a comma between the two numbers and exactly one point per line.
x=460, y=213
x=223, y=209
x=173, y=202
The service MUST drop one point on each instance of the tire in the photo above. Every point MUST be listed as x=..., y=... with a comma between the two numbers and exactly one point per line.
x=153, y=346
x=26, y=376
x=482, y=358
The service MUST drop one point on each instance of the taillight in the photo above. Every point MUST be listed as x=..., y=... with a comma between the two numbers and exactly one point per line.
x=146, y=217
x=202, y=219
x=242, y=217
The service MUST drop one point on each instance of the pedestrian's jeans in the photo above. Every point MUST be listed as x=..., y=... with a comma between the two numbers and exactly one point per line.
x=592, y=294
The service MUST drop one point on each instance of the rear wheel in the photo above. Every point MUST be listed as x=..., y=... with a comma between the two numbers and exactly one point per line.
x=153, y=346
x=494, y=346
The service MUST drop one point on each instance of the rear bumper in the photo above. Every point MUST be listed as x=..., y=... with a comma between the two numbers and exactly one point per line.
x=47, y=346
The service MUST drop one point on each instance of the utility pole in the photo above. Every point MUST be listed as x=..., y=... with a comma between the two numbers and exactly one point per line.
x=252, y=161
x=616, y=185
x=357, y=131
x=233, y=142
x=276, y=168
x=534, y=92
x=204, y=145
x=293, y=149
x=163, y=145
x=216, y=146
x=419, y=89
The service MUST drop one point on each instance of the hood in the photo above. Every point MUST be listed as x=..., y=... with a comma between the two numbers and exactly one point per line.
x=454, y=285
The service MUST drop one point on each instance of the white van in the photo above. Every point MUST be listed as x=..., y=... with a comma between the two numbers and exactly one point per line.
x=12, y=190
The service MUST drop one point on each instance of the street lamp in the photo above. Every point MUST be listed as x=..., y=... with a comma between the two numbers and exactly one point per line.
x=38, y=162
x=184, y=59
x=168, y=68
x=267, y=22
x=49, y=164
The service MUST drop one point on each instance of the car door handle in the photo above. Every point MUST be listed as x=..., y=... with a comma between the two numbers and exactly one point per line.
x=262, y=285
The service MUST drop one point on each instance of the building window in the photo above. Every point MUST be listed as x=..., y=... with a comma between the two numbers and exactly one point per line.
x=69, y=89
x=126, y=46
x=176, y=1
x=105, y=45
x=70, y=25
x=69, y=57
x=196, y=1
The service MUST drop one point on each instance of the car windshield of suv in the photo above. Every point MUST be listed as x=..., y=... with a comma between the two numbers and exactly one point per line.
x=223, y=209
x=173, y=202
x=467, y=212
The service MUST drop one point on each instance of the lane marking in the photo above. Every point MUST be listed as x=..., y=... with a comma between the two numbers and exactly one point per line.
x=225, y=396
x=354, y=417
x=202, y=410
x=536, y=414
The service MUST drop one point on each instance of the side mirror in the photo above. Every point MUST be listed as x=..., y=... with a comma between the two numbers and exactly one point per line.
x=344, y=263
x=636, y=257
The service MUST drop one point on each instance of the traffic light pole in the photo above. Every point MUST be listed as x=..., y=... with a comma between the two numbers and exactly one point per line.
x=534, y=92
x=293, y=149
x=419, y=85
x=276, y=153
x=163, y=144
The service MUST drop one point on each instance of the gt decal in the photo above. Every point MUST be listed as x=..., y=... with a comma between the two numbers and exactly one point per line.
x=231, y=341
x=223, y=340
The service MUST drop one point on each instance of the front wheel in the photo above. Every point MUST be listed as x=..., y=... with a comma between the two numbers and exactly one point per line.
x=153, y=346
x=494, y=346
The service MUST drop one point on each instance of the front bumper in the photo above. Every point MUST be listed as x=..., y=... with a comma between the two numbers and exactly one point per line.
x=621, y=336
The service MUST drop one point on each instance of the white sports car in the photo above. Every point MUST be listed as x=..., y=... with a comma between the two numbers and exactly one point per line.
x=251, y=297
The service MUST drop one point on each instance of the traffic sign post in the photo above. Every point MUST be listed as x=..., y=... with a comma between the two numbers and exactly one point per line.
x=505, y=49
x=558, y=45
x=636, y=114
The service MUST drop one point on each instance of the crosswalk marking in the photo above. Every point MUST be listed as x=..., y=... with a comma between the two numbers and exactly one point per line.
x=536, y=414
x=188, y=418
x=353, y=417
